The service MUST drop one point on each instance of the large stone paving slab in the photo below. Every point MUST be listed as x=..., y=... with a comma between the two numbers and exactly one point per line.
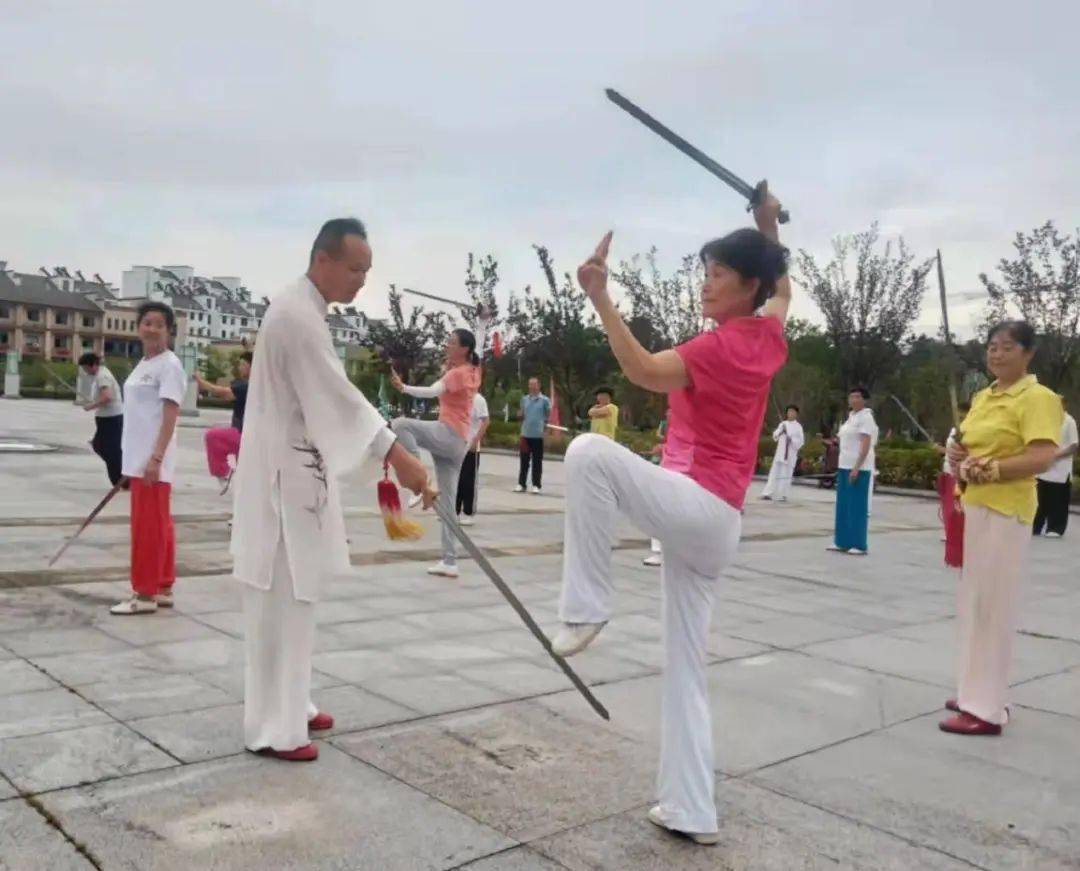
x=759, y=830
x=1002, y=803
x=1059, y=692
x=27, y=841
x=50, y=761
x=768, y=707
x=18, y=676
x=46, y=642
x=150, y=696
x=247, y=812
x=46, y=711
x=519, y=768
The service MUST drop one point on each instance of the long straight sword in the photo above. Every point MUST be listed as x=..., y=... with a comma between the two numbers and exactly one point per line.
x=451, y=523
x=753, y=193
x=954, y=404
x=467, y=306
x=90, y=518
x=911, y=417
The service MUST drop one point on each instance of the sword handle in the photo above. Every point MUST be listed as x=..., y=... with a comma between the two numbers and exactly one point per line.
x=760, y=189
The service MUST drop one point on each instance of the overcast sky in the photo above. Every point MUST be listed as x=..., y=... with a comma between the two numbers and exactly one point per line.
x=222, y=134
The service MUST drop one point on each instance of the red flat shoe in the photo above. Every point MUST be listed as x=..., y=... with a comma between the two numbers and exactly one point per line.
x=307, y=753
x=954, y=705
x=320, y=722
x=968, y=724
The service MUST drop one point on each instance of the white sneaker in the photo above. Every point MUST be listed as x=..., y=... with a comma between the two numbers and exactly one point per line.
x=164, y=600
x=836, y=549
x=656, y=817
x=466, y=520
x=443, y=570
x=856, y=552
x=653, y=560
x=519, y=489
x=575, y=637
x=415, y=500
x=134, y=605
x=1053, y=535
x=536, y=491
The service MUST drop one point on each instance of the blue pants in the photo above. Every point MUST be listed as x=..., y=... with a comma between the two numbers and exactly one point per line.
x=852, y=510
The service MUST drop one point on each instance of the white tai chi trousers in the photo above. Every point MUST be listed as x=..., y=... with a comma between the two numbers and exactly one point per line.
x=447, y=450
x=699, y=533
x=779, y=484
x=995, y=561
x=279, y=633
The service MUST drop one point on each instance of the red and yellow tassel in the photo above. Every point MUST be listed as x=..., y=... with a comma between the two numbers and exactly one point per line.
x=399, y=527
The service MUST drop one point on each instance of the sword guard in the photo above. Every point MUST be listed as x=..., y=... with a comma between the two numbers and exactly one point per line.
x=758, y=195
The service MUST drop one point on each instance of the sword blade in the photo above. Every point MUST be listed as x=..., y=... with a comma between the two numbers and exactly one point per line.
x=97, y=510
x=462, y=305
x=685, y=147
x=954, y=404
x=515, y=603
x=911, y=417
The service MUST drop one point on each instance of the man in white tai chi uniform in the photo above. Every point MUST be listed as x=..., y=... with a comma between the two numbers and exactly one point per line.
x=305, y=426
x=789, y=438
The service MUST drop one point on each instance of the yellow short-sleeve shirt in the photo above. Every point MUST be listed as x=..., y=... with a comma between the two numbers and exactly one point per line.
x=1001, y=424
x=607, y=426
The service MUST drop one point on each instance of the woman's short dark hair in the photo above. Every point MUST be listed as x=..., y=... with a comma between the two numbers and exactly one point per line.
x=753, y=255
x=468, y=341
x=862, y=391
x=603, y=388
x=89, y=359
x=794, y=407
x=1020, y=332
x=161, y=308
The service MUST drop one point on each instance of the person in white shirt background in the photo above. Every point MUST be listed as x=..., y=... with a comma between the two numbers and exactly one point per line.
x=152, y=396
x=789, y=438
x=854, y=477
x=469, y=477
x=108, y=406
x=1055, y=485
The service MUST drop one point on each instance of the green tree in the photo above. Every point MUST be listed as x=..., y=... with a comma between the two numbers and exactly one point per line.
x=665, y=311
x=1041, y=284
x=868, y=314
x=413, y=343
x=553, y=337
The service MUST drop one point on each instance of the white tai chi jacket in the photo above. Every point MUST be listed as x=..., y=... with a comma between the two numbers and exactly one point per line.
x=305, y=425
x=789, y=440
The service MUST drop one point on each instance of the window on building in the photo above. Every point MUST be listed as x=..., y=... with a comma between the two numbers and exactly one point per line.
x=89, y=322
x=223, y=334
x=61, y=343
x=4, y=340
x=5, y=312
x=33, y=314
x=61, y=319
x=243, y=321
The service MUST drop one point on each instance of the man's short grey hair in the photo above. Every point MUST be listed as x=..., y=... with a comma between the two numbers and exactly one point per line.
x=333, y=233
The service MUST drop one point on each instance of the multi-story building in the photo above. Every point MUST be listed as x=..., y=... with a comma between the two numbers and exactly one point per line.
x=58, y=316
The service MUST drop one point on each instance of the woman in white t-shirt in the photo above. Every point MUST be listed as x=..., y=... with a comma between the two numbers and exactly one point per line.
x=152, y=396
x=854, y=477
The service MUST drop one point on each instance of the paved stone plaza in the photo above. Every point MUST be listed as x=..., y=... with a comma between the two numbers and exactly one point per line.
x=458, y=743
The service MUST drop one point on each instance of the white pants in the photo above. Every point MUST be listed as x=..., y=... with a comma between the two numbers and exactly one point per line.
x=447, y=449
x=779, y=484
x=279, y=632
x=995, y=560
x=700, y=533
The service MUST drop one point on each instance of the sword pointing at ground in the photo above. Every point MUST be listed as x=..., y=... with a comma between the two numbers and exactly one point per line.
x=450, y=521
x=90, y=518
x=753, y=193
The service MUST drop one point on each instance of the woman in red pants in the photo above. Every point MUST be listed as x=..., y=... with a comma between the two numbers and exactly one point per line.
x=152, y=396
x=223, y=442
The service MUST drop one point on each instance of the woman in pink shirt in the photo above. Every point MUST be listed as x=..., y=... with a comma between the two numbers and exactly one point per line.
x=719, y=386
x=447, y=437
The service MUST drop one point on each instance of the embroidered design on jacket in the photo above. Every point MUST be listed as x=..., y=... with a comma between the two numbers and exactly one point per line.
x=318, y=474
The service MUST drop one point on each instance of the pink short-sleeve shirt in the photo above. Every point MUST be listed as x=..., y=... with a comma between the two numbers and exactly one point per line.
x=730, y=370
x=455, y=405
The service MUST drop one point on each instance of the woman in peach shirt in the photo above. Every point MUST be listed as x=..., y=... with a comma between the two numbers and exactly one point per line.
x=447, y=437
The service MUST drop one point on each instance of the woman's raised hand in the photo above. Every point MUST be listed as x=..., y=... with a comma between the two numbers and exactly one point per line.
x=593, y=273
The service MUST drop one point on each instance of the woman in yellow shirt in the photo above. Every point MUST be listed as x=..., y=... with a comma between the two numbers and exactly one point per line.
x=1007, y=438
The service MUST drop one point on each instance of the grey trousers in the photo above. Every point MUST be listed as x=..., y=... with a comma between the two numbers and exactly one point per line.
x=447, y=450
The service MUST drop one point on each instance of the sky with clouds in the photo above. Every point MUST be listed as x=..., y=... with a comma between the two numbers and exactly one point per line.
x=221, y=134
